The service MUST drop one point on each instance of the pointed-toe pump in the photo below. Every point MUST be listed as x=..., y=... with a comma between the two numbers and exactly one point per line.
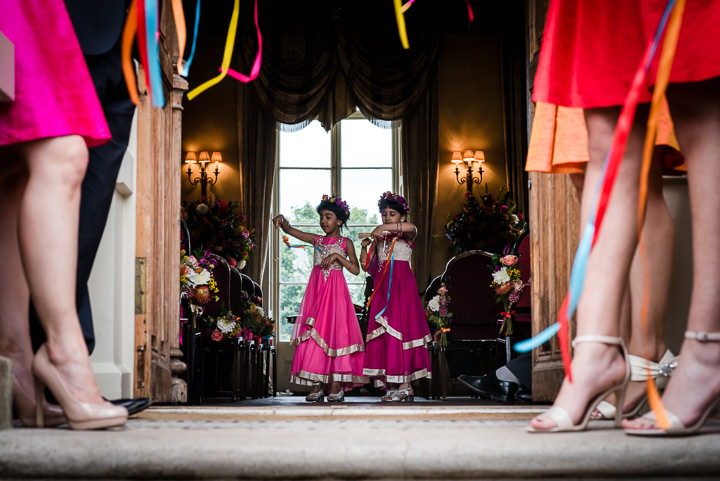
x=80, y=415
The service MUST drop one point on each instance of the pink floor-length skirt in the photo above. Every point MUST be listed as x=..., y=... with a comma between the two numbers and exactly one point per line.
x=54, y=94
x=398, y=337
x=329, y=344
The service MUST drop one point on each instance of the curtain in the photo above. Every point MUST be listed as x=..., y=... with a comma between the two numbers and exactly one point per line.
x=257, y=134
x=419, y=145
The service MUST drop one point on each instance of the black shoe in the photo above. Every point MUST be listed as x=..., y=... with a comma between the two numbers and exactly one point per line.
x=133, y=405
x=524, y=394
x=490, y=387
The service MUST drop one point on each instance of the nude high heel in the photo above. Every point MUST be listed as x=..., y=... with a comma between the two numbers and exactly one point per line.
x=677, y=428
x=25, y=408
x=560, y=416
x=80, y=415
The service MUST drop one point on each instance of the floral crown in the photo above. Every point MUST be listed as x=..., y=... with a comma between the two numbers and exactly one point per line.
x=335, y=199
x=397, y=198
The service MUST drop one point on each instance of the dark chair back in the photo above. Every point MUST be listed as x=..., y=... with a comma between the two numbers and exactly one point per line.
x=472, y=300
x=221, y=274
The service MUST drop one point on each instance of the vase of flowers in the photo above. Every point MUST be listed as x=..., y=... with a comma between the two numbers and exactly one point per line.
x=219, y=227
x=438, y=316
x=508, y=285
x=248, y=323
x=488, y=223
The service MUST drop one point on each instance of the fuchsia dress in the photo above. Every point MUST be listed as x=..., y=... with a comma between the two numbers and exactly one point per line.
x=398, y=334
x=329, y=344
x=54, y=94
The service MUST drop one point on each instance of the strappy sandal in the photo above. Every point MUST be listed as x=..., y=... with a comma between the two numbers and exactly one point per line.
x=388, y=397
x=336, y=397
x=315, y=397
x=561, y=418
x=640, y=368
x=677, y=428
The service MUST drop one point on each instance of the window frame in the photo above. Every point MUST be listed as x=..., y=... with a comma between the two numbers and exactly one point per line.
x=336, y=171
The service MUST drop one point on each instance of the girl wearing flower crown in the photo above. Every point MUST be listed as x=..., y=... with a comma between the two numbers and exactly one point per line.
x=329, y=345
x=398, y=335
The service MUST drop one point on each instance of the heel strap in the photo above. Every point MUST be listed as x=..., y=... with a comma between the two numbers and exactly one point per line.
x=703, y=336
x=602, y=339
x=640, y=367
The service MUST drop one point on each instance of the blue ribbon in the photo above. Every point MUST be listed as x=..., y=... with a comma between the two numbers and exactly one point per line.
x=186, y=65
x=392, y=263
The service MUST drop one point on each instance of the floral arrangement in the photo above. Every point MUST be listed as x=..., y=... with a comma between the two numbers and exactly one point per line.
x=489, y=223
x=438, y=316
x=395, y=198
x=335, y=199
x=508, y=285
x=219, y=227
x=197, y=284
x=249, y=323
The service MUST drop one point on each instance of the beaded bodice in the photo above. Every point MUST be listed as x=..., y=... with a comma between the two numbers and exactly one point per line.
x=401, y=252
x=323, y=250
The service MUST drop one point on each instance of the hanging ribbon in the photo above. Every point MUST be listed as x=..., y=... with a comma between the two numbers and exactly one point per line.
x=382, y=276
x=227, y=55
x=471, y=17
x=184, y=67
x=369, y=256
x=180, y=30
x=152, y=53
x=297, y=246
x=391, y=261
x=599, y=203
x=400, y=18
x=258, y=58
x=406, y=6
x=129, y=32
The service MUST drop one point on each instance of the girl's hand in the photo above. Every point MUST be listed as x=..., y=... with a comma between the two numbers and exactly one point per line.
x=366, y=242
x=325, y=263
x=378, y=231
x=280, y=221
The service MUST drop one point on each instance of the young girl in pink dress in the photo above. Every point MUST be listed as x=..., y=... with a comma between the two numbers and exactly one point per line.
x=398, y=335
x=329, y=345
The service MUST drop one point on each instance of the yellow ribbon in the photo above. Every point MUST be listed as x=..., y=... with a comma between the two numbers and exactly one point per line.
x=227, y=55
x=400, y=17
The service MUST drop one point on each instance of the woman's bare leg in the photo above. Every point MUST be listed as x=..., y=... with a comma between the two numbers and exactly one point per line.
x=596, y=366
x=696, y=381
x=48, y=231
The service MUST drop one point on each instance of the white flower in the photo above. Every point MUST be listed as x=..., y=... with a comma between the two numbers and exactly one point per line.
x=226, y=326
x=515, y=219
x=202, y=209
x=434, y=304
x=199, y=278
x=241, y=264
x=501, y=276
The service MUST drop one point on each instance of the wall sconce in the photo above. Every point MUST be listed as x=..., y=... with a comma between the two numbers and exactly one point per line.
x=469, y=158
x=203, y=159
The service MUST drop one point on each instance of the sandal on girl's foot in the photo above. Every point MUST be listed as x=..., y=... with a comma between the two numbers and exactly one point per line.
x=315, y=397
x=676, y=428
x=336, y=397
x=640, y=368
x=404, y=395
x=389, y=395
x=561, y=418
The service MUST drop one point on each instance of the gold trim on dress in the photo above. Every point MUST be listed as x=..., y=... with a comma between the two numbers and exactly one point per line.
x=396, y=379
x=305, y=378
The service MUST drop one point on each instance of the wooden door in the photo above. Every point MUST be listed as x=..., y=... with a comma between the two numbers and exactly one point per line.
x=554, y=228
x=157, y=300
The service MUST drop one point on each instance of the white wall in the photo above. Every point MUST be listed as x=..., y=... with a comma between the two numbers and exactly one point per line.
x=112, y=286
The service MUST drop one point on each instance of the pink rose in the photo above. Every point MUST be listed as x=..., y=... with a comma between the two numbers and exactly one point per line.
x=216, y=335
x=509, y=260
x=232, y=262
x=442, y=291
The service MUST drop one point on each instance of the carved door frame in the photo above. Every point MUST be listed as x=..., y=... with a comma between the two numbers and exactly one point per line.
x=157, y=298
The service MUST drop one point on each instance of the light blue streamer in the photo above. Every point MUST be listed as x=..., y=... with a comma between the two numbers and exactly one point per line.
x=392, y=256
x=186, y=66
x=529, y=344
x=151, y=23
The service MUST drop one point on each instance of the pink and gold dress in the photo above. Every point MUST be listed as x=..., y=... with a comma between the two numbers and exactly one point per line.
x=54, y=94
x=398, y=334
x=329, y=344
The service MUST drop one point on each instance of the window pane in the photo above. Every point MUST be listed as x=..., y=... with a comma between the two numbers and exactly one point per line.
x=361, y=189
x=301, y=191
x=290, y=298
x=364, y=145
x=309, y=147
